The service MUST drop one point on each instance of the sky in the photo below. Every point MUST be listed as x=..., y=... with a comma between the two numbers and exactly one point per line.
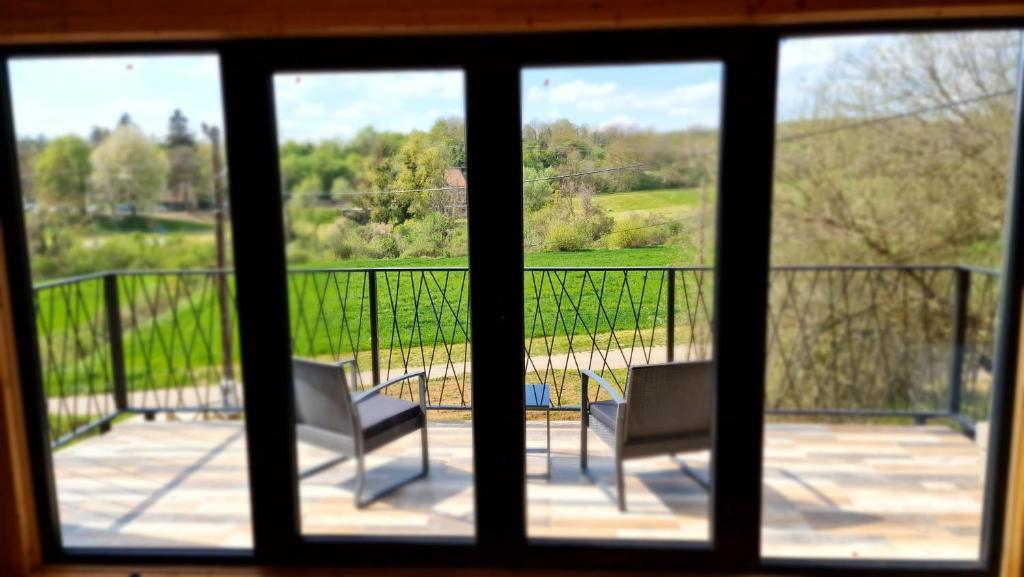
x=56, y=96
x=337, y=105
x=660, y=96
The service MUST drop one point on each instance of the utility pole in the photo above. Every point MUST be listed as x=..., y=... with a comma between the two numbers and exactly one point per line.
x=228, y=389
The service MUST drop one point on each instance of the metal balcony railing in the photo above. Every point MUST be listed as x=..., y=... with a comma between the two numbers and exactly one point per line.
x=908, y=342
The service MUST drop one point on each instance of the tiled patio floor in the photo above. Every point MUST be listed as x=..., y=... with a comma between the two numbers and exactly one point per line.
x=830, y=490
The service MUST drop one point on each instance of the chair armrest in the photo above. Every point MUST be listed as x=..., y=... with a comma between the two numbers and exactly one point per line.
x=614, y=394
x=421, y=375
x=353, y=368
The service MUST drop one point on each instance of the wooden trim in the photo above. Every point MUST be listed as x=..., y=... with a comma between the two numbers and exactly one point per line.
x=123, y=571
x=32, y=21
x=19, y=543
x=1013, y=539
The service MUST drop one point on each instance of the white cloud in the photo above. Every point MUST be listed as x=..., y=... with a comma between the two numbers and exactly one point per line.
x=610, y=104
x=337, y=105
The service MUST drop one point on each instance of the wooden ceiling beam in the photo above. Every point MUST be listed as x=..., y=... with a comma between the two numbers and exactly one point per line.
x=47, y=21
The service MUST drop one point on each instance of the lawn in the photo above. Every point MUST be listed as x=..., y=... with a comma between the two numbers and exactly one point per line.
x=664, y=202
x=596, y=258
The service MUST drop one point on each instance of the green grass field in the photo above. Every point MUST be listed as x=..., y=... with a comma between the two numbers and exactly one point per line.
x=655, y=256
x=666, y=203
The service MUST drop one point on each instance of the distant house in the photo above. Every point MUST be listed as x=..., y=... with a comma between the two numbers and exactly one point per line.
x=456, y=205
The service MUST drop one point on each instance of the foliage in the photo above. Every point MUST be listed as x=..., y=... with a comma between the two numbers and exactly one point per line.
x=435, y=235
x=128, y=169
x=178, y=133
x=639, y=232
x=61, y=173
x=563, y=224
x=926, y=186
x=185, y=176
x=567, y=237
x=536, y=192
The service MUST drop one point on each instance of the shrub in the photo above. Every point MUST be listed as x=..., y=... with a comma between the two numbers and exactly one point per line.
x=637, y=232
x=343, y=240
x=296, y=254
x=558, y=227
x=567, y=237
x=435, y=235
x=384, y=246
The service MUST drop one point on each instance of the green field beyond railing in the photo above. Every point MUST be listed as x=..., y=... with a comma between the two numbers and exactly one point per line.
x=849, y=341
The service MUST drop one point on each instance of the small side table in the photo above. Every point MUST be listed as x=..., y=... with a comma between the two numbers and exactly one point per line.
x=538, y=398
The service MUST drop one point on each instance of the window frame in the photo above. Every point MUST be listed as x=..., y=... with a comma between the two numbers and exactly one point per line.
x=492, y=66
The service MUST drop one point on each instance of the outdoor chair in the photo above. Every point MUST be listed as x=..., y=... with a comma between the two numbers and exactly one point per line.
x=329, y=416
x=667, y=410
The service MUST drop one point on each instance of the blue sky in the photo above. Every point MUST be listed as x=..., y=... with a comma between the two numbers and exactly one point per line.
x=57, y=96
x=337, y=105
x=661, y=96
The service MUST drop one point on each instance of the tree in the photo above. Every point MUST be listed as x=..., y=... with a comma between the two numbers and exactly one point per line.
x=927, y=185
x=98, y=134
x=128, y=169
x=537, y=191
x=61, y=174
x=183, y=177
x=28, y=149
x=177, y=131
x=421, y=165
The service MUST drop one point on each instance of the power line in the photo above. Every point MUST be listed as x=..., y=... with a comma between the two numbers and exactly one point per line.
x=572, y=174
x=789, y=138
x=892, y=117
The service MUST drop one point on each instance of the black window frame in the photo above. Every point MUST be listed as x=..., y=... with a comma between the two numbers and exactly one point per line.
x=492, y=66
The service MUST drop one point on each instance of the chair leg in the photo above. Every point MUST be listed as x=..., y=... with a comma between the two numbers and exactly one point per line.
x=423, y=447
x=362, y=502
x=584, y=427
x=620, y=483
x=360, y=480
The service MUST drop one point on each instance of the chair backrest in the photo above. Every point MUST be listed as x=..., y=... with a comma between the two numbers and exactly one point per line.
x=322, y=397
x=668, y=400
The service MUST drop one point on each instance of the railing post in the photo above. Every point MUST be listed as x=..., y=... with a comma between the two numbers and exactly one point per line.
x=371, y=279
x=112, y=302
x=670, y=342
x=962, y=292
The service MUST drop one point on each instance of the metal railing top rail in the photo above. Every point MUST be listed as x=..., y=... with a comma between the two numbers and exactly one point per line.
x=70, y=280
x=979, y=269
x=787, y=267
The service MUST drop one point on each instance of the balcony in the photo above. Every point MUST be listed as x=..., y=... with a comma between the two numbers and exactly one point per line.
x=878, y=383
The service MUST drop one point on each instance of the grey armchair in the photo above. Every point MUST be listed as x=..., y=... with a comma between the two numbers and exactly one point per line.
x=667, y=410
x=329, y=416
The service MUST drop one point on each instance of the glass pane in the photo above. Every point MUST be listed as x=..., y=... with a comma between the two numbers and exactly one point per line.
x=373, y=169
x=891, y=171
x=619, y=195
x=123, y=179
